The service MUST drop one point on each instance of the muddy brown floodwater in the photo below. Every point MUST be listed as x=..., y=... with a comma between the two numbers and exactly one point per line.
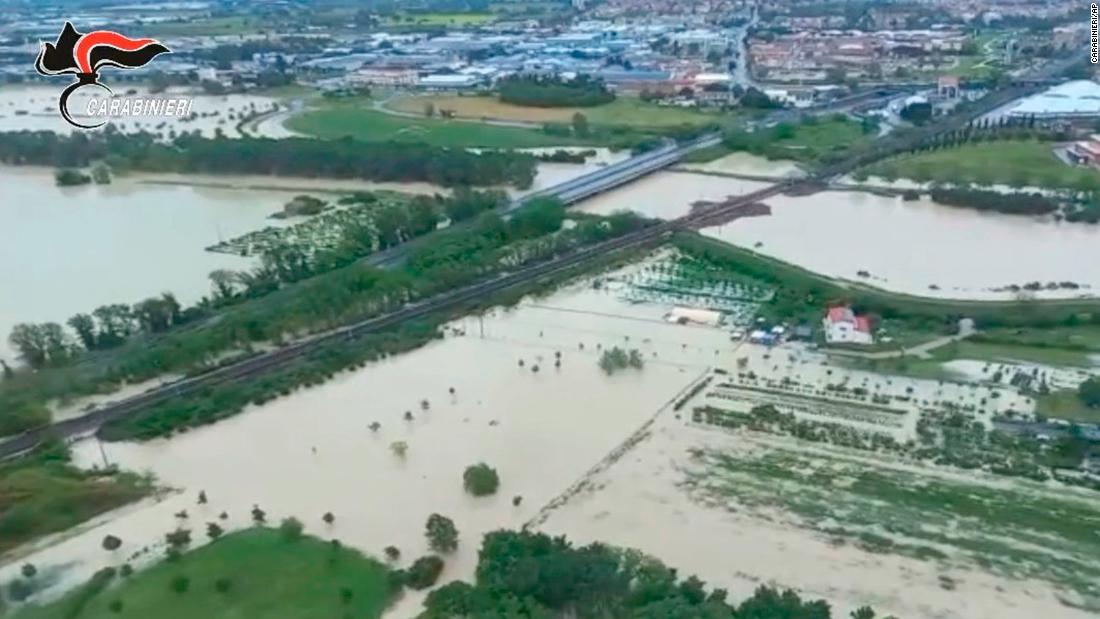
x=312, y=452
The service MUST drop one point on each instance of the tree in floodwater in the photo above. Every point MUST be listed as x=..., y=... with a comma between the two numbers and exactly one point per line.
x=441, y=533
x=480, y=479
x=615, y=359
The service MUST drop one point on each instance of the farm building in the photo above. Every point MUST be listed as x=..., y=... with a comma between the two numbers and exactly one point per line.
x=842, y=326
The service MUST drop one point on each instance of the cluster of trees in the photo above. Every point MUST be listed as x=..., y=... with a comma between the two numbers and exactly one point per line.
x=525, y=574
x=553, y=91
x=46, y=344
x=614, y=359
x=1012, y=204
x=344, y=158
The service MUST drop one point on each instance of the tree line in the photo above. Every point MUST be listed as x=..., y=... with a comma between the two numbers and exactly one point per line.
x=1011, y=204
x=258, y=307
x=525, y=574
x=109, y=326
x=553, y=91
x=343, y=158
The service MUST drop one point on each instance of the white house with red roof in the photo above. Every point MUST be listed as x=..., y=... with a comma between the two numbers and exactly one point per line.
x=842, y=326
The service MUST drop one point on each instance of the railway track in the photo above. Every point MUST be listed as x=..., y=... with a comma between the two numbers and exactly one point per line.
x=273, y=360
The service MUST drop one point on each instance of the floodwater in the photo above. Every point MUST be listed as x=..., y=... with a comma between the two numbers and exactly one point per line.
x=65, y=250
x=312, y=451
x=667, y=194
x=640, y=503
x=72, y=249
x=34, y=107
x=922, y=248
x=750, y=165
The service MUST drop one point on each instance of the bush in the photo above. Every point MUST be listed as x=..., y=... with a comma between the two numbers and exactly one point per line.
x=223, y=585
x=126, y=570
x=115, y=606
x=291, y=529
x=480, y=479
x=423, y=572
x=1089, y=392
x=180, y=584
x=111, y=543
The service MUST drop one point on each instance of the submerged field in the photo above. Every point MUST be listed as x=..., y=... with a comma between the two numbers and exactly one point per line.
x=1019, y=530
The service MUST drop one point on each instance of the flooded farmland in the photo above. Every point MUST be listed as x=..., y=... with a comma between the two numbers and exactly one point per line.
x=563, y=440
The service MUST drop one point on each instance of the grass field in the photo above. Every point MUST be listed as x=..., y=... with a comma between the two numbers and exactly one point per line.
x=269, y=576
x=355, y=120
x=42, y=494
x=1019, y=530
x=1011, y=162
x=439, y=19
x=623, y=111
x=1064, y=404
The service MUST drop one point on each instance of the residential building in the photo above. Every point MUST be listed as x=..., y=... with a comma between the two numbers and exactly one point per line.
x=843, y=326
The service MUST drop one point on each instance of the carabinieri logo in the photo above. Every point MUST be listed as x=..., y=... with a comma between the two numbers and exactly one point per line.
x=83, y=55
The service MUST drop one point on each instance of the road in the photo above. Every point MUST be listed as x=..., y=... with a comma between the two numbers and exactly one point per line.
x=920, y=351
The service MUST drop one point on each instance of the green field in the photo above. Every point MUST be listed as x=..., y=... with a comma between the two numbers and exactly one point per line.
x=359, y=122
x=813, y=140
x=1018, y=163
x=624, y=111
x=1065, y=404
x=1019, y=530
x=269, y=576
x=439, y=19
x=43, y=494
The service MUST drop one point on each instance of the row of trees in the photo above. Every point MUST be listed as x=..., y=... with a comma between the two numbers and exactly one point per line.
x=1012, y=204
x=109, y=326
x=344, y=158
x=44, y=344
x=525, y=574
x=553, y=91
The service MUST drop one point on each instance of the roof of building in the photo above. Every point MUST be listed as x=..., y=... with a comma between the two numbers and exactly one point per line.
x=1071, y=98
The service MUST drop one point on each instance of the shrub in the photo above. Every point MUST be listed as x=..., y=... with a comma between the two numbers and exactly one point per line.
x=480, y=479
x=291, y=529
x=223, y=585
x=180, y=584
x=423, y=572
x=111, y=543
x=115, y=606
